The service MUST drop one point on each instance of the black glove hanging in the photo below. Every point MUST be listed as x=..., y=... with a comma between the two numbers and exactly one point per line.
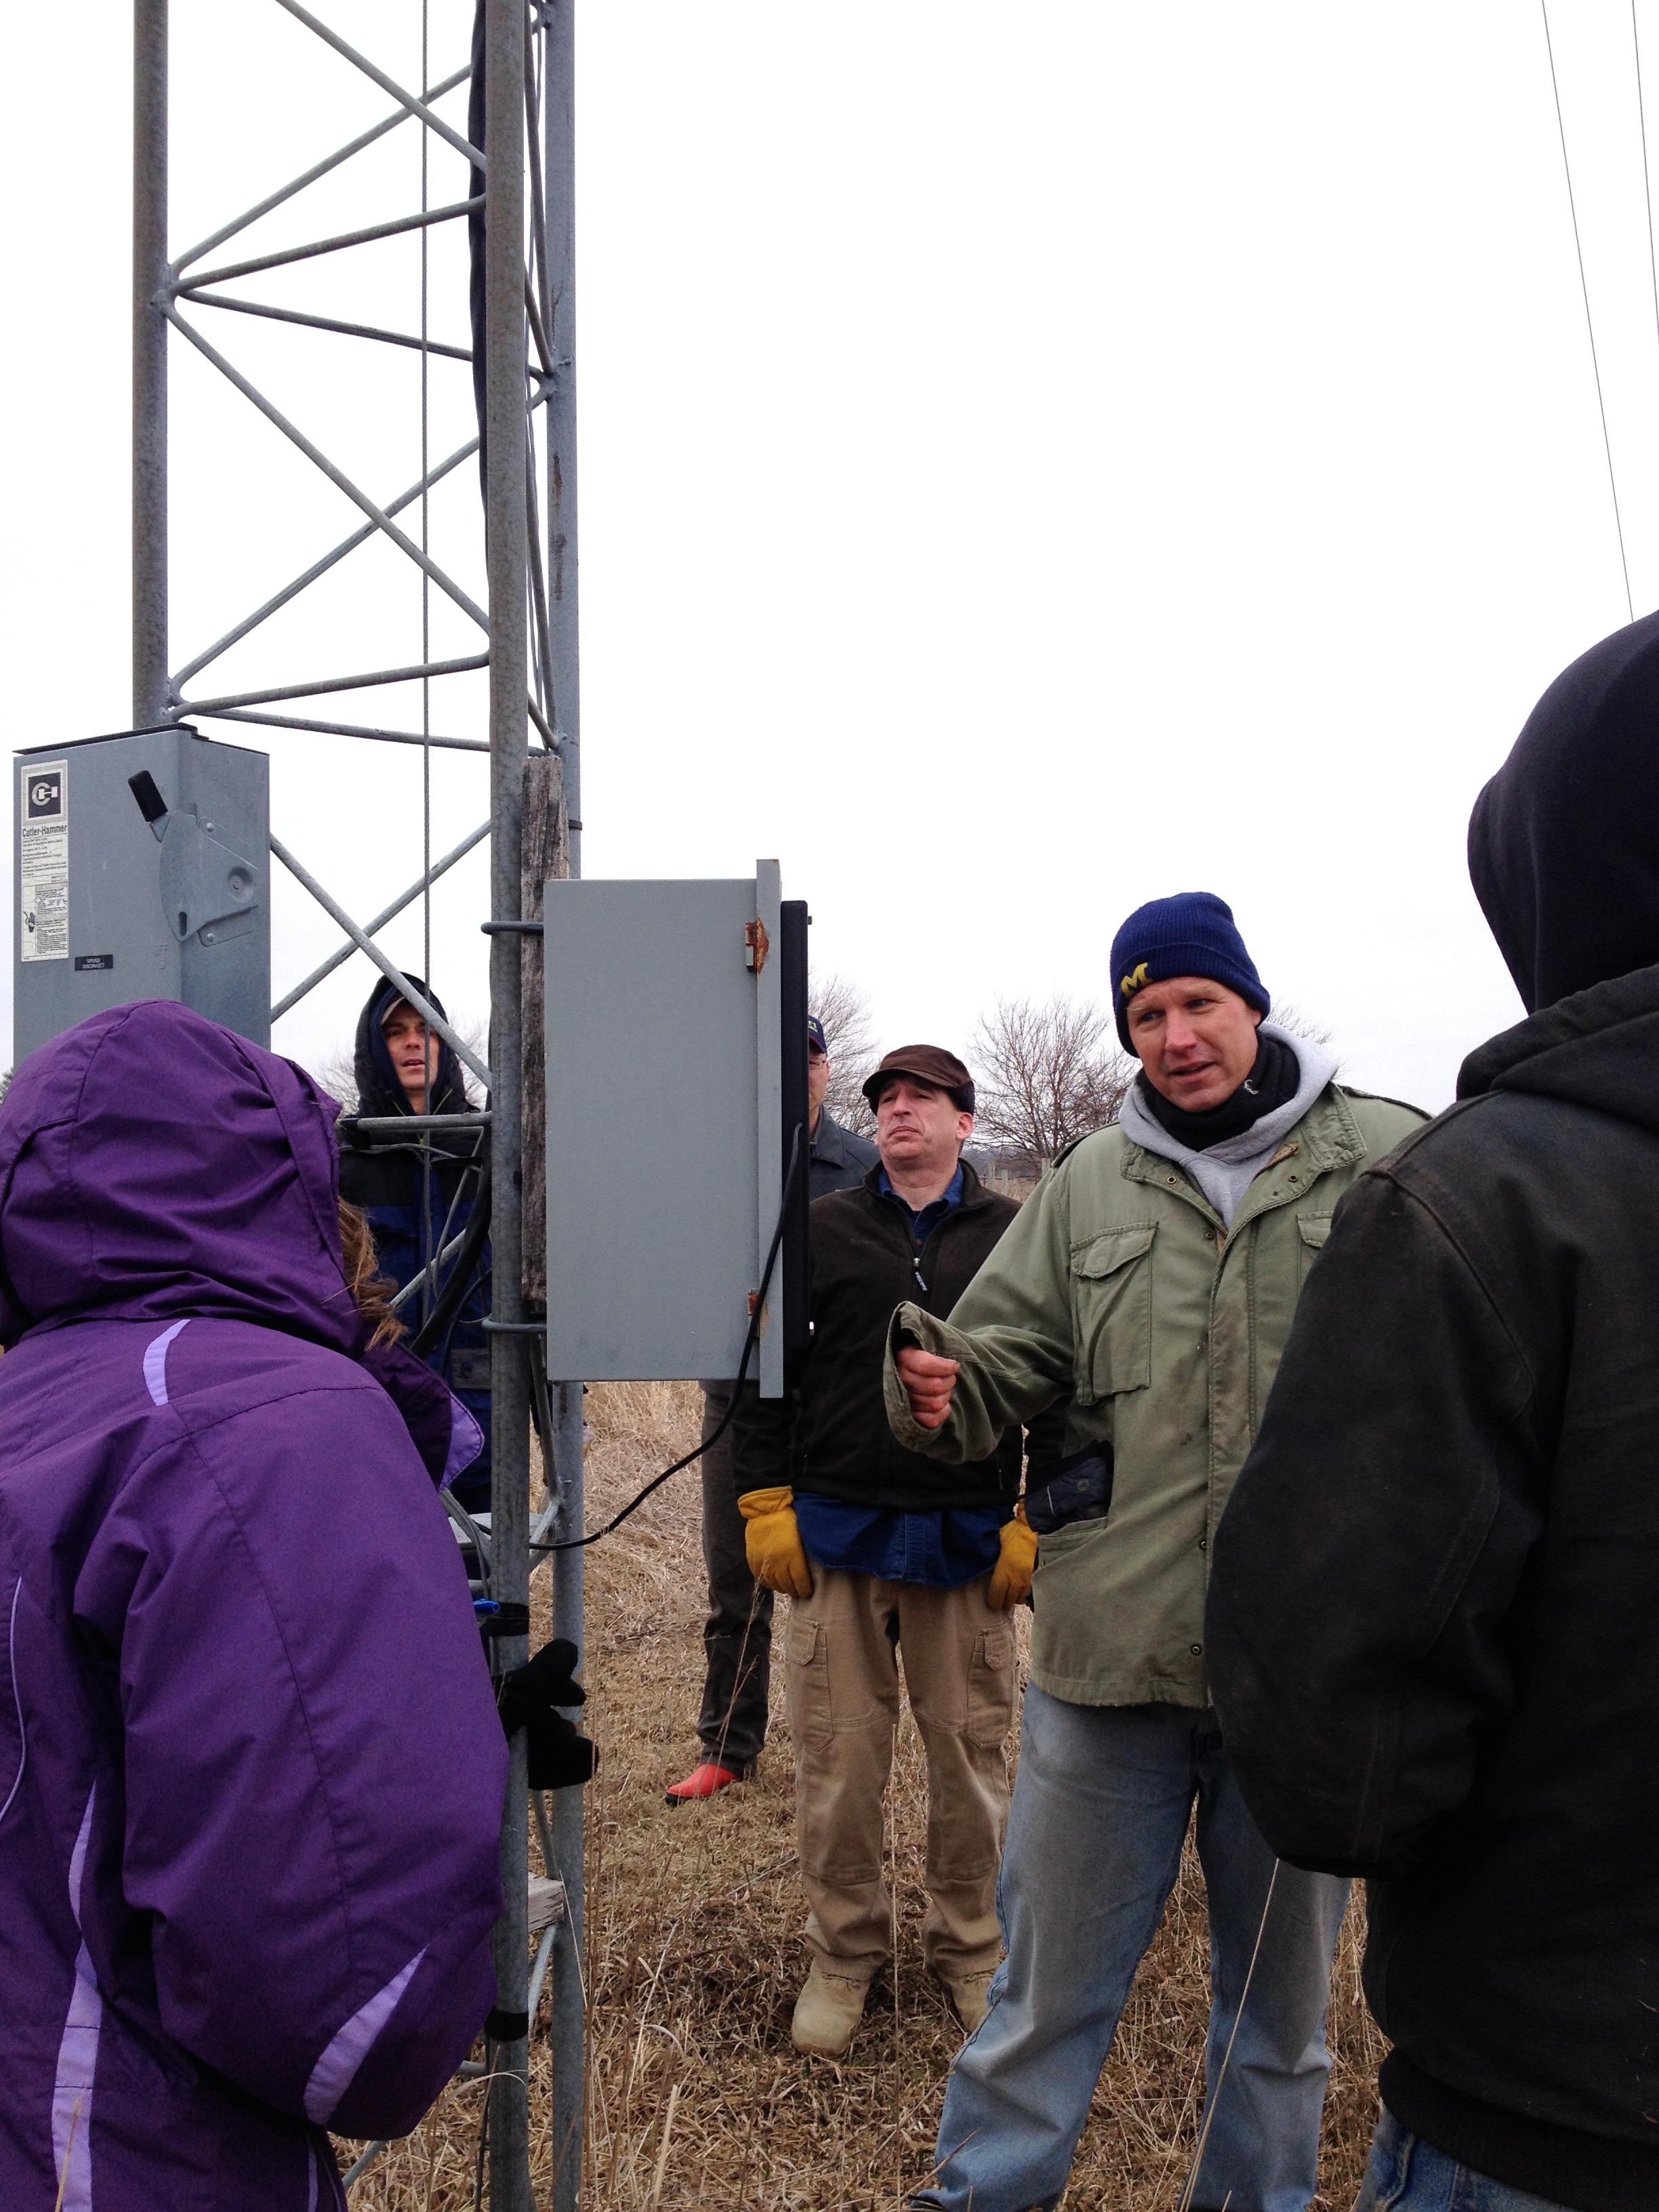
x=1077, y=1488
x=527, y=1698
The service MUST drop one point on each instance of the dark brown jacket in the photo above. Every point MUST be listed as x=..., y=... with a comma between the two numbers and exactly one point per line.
x=833, y=1439
x=1433, y=1637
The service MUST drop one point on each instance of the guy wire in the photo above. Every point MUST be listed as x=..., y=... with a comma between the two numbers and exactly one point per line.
x=1647, y=184
x=1214, y=2097
x=425, y=581
x=425, y=1239
x=1590, y=324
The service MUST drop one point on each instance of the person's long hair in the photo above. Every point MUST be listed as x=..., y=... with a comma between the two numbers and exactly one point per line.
x=372, y=1290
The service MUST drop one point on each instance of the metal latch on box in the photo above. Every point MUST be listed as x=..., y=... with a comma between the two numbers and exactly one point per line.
x=205, y=887
x=757, y=944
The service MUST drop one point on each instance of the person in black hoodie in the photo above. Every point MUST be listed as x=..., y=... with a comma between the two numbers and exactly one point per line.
x=1433, y=1619
x=419, y=1196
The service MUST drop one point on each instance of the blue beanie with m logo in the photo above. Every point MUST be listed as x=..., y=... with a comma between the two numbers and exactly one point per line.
x=1193, y=933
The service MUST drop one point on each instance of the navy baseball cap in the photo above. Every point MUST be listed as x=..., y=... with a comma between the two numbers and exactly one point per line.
x=815, y=1037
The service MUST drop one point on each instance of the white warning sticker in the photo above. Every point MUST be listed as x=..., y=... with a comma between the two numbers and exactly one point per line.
x=43, y=872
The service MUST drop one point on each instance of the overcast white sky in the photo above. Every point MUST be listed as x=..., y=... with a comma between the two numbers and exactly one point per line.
x=1032, y=460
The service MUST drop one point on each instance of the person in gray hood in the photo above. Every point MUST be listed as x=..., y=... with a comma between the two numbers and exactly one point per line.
x=1286, y=1077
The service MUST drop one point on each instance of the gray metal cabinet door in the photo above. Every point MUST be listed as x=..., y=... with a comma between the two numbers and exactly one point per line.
x=662, y=1127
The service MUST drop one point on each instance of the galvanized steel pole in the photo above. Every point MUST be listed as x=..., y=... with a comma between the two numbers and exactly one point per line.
x=568, y=2024
x=505, y=549
x=559, y=174
x=150, y=279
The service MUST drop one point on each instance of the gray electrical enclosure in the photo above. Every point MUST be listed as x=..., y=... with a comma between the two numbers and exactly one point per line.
x=664, y=1128
x=162, y=893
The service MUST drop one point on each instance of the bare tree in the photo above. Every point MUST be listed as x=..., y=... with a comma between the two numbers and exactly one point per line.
x=1290, y=1017
x=337, y=1075
x=849, y=1032
x=1051, y=1072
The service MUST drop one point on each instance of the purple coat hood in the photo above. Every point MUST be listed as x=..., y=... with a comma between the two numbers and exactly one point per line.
x=137, y=1154
x=251, y=1772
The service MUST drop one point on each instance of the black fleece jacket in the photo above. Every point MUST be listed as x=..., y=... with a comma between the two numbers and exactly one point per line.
x=1433, y=1618
x=834, y=1440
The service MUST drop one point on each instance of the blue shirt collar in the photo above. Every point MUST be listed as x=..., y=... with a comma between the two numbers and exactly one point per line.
x=924, y=1223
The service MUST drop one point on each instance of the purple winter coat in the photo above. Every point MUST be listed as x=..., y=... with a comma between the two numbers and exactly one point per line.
x=251, y=1772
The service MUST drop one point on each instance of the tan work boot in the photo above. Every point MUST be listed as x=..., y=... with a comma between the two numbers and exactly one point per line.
x=827, y=2011
x=968, y=1996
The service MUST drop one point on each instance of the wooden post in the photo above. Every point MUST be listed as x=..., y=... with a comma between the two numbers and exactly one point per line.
x=546, y=852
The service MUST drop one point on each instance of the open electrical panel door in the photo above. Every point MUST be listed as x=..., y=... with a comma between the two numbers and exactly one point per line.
x=676, y=1104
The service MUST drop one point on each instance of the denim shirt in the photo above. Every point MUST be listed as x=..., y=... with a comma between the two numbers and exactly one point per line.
x=939, y=1551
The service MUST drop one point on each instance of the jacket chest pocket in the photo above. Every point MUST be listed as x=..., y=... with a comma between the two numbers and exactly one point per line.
x=1312, y=1232
x=1112, y=1304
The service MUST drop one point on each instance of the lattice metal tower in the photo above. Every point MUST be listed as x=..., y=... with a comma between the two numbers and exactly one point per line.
x=517, y=197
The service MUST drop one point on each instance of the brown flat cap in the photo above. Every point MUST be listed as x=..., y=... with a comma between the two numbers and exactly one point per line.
x=925, y=1063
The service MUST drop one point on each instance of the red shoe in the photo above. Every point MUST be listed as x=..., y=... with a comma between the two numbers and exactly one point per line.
x=705, y=1781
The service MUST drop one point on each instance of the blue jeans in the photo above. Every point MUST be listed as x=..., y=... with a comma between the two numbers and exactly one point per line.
x=1406, y=2174
x=1100, y=1811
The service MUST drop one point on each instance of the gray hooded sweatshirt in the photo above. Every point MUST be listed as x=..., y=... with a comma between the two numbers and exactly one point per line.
x=1226, y=1171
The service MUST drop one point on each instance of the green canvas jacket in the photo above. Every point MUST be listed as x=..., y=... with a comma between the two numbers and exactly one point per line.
x=1119, y=1284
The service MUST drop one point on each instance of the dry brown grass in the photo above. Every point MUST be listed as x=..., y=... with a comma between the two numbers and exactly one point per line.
x=695, y=1953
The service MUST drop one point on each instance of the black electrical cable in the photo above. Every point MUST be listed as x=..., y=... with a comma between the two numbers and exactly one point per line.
x=483, y=1286
x=540, y=1415
x=417, y=1149
x=453, y=1294
x=479, y=1288
x=484, y=2126
x=577, y=1543
x=472, y=1170
x=432, y=1272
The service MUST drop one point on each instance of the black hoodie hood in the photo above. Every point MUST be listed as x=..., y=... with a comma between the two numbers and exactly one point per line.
x=1598, y=1048
x=1564, y=841
x=379, y=1091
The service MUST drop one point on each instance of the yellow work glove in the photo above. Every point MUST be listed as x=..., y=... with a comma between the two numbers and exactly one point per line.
x=772, y=1543
x=1010, y=1578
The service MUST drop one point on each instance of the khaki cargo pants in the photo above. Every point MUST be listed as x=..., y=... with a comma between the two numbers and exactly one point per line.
x=843, y=1676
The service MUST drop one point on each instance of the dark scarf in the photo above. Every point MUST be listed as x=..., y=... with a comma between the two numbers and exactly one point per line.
x=1272, y=1083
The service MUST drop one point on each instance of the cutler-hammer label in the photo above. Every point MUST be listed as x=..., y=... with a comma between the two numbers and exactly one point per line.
x=43, y=874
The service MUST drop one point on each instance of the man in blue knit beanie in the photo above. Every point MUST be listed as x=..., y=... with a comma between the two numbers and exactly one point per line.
x=1194, y=933
x=1151, y=1281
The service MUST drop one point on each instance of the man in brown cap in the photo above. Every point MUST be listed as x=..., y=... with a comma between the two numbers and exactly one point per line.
x=881, y=1550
